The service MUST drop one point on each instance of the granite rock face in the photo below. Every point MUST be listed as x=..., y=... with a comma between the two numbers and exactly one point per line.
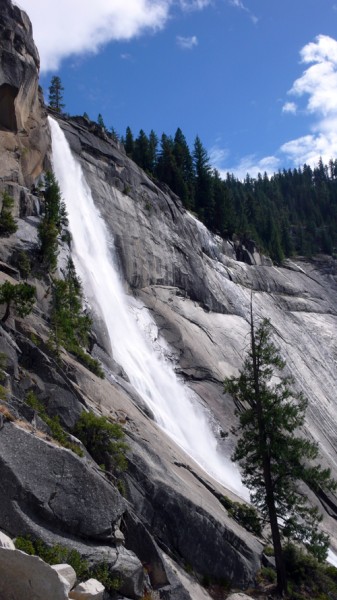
x=24, y=134
x=199, y=293
x=54, y=489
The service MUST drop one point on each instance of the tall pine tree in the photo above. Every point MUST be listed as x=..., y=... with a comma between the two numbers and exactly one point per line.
x=270, y=452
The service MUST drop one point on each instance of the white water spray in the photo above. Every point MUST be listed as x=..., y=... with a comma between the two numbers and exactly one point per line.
x=169, y=399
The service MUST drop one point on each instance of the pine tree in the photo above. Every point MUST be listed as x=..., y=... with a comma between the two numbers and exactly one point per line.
x=272, y=457
x=52, y=223
x=55, y=94
x=100, y=121
x=129, y=143
x=153, y=145
x=141, y=153
x=204, y=200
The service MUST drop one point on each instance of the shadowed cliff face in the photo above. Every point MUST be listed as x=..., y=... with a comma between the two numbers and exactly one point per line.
x=24, y=135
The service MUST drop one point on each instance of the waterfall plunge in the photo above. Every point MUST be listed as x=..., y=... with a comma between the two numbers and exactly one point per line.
x=171, y=402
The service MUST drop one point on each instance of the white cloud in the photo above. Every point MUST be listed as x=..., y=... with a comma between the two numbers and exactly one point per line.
x=187, y=43
x=189, y=5
x=64, y=28
x=248, y=164
x=316, y=88
x=318, y=85
x=242, y=6
x=290, y=107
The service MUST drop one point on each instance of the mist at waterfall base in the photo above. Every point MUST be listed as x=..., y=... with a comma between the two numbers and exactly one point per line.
x=171, y=401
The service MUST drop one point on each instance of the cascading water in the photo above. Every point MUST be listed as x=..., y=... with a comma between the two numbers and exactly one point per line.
x=168, y=398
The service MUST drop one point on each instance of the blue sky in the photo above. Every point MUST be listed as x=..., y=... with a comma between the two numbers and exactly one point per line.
x=255, y=79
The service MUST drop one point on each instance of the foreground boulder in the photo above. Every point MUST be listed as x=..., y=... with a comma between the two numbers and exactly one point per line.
x=46, y=486
x=28, y=577
x=88, y=590
x=67, y=573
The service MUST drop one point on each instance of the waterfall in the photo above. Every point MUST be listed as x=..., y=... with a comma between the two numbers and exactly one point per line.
x=173, y=404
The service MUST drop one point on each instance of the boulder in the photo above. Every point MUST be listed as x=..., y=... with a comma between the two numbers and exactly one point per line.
x=46, y=486
x=68, y=574
x=88, y=590
x=23, y=576
x=6, y=542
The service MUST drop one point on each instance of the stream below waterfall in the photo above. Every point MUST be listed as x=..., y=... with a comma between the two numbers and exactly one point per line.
x=174, y=405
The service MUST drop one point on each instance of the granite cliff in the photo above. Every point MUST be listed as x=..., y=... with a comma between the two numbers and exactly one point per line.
x=198, y=294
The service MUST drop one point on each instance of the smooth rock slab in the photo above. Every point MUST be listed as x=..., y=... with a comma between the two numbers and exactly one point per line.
x=24, y=577
x=88, y=590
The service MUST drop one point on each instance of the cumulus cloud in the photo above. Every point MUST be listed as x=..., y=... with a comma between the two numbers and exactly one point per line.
x=318, y=86
x=316, y=90
x=64, y=28
x=187, y=43
x=290, y=107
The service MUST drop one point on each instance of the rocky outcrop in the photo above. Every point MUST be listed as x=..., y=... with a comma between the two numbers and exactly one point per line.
x=24, y=135
x=54, y=489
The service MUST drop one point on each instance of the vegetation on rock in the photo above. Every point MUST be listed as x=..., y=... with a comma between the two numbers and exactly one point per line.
x=19, y=296
x=247, y=516
x=70, y=325
x=52, y=223
x=58, y=554
x=53, y=423
x=103, y=440
x=293, y=211
x=273, y=459
x=7, y=222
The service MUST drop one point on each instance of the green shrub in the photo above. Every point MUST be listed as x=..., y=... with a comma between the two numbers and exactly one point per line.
x=307, y=576
x=88, y=361
x=53, y=555
x=267, y=574
x=247, y=516
x=101, y=572
x=59, y=554
x=25, y=544
x=103, y=440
